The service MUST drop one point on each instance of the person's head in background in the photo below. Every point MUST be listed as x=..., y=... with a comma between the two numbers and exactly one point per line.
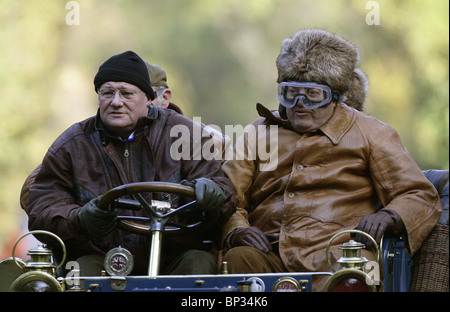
x=159, y=84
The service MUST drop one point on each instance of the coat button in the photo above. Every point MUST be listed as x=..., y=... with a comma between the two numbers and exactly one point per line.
x=291, y=195
x=300, y=167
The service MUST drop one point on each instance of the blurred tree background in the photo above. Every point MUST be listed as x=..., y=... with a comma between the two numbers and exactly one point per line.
x=220, y=59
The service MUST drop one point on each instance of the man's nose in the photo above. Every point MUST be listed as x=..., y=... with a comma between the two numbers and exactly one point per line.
x=116, y=100
x=299, y=101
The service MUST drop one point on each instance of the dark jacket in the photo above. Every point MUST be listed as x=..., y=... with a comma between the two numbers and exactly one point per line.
x=87, y=160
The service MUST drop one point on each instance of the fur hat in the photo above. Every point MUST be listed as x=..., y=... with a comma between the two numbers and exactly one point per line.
x=316, y=55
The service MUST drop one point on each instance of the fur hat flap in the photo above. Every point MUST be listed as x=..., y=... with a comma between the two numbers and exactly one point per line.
x=359, y=85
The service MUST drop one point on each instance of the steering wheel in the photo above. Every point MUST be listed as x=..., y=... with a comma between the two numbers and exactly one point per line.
x=158, y=216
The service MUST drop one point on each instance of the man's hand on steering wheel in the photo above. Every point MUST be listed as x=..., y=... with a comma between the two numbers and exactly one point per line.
x=209, y=195
x=97, y=222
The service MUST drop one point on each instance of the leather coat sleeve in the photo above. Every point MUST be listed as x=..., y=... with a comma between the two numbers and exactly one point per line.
x=241, y=172
x=401, y=185
x=195, y=166
x=25, y=191
x=51, y=207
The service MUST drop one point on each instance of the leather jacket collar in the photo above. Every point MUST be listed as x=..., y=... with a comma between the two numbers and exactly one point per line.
x=335, y=128
x=143, y=122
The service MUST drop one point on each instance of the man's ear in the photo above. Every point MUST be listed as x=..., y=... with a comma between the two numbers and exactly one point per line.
x=167, y=96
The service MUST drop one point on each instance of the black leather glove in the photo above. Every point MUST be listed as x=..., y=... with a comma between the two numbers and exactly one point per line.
x=251, y=236
x=95, y=221
x=208, y=194
x=385, y=221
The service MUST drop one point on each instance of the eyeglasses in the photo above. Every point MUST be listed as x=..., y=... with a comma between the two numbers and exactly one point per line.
x=311, y=95
x=107, y=94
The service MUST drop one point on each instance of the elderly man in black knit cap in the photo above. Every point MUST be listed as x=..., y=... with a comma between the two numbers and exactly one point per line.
x=129, y=140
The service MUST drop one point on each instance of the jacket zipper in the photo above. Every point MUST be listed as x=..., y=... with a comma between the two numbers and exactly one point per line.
x=126, y=154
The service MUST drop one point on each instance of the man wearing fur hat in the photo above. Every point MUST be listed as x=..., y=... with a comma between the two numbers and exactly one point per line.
x=335, y=164
x=127, y=141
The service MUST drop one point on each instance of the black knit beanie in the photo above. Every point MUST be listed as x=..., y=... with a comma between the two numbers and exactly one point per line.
x=125, y=67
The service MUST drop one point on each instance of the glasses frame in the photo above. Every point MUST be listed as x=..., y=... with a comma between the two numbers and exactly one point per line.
x=133, y=93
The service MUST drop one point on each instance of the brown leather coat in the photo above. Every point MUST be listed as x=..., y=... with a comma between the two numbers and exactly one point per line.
x=87, y=160
x=325, y=182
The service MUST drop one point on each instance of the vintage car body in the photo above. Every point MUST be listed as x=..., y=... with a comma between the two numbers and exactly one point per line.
x=395, y=270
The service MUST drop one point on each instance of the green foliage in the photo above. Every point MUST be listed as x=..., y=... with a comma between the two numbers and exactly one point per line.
x=220, y=59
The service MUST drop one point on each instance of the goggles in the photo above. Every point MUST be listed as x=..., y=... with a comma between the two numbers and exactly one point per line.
x=311, y=95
